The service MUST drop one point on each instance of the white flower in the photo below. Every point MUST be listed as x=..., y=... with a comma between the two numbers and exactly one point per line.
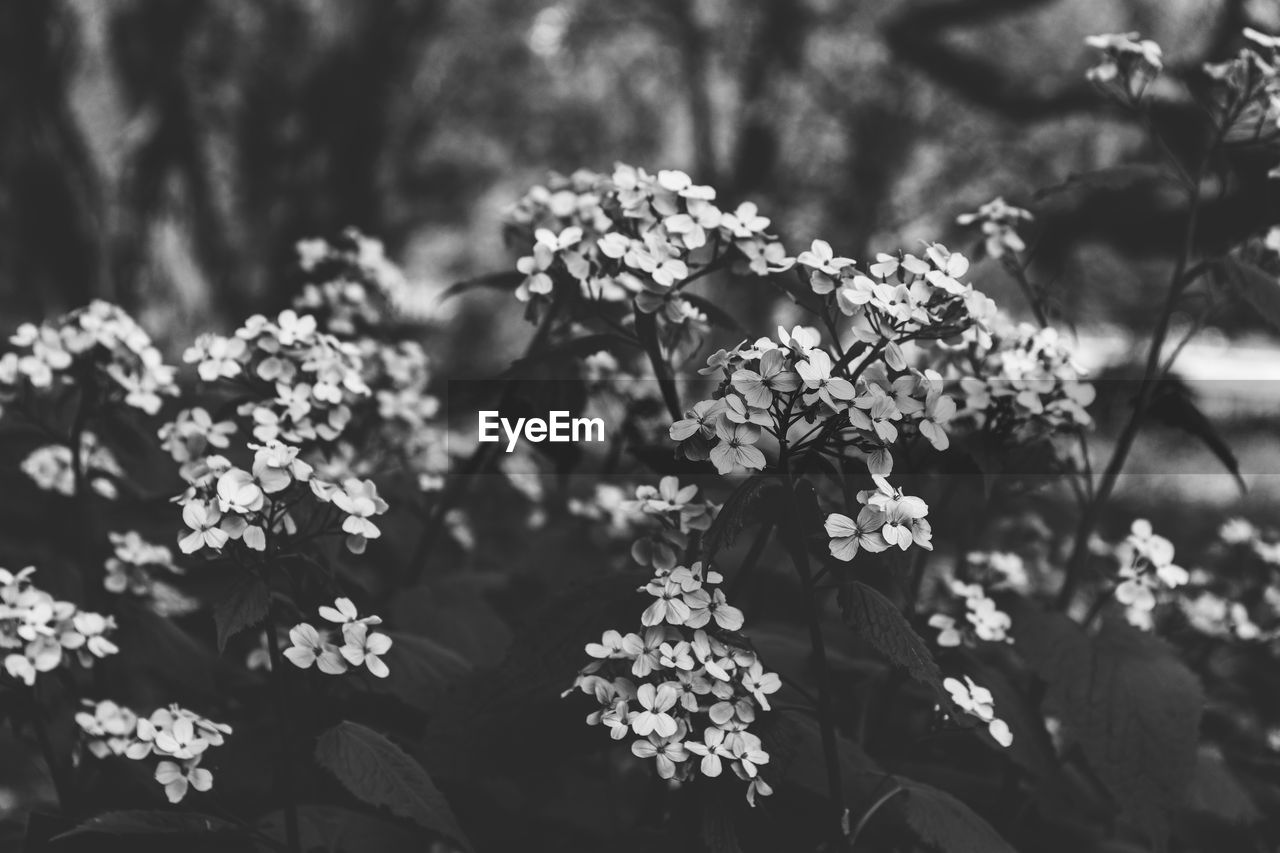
x=362, y=648
x=309, y=647
x=654, y=719
x=178, y=777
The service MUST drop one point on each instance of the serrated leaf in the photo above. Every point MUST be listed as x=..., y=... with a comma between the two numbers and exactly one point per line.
x=1130, y=703
x=143, y=822
x=1253, y=284
x=244, y=604
x=1174, y=405
x=874, y=618
x=944, y=823
x=737, y=513
x=379, y=773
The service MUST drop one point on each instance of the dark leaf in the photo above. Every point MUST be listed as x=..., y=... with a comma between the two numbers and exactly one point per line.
x=1259, y=288
x=378, y=772
x=716, y=315
x=573, y=350
x=151, y=823
x=333, y=829
x=1109, y=180
x=739, y=511
x=421, y=670
x=453, y=612
x=874, y=618
x=497, y=281
x=1130, y=703
x=944, y=823
x=244, y=604
x=1174, y=405
x=647, y=332
x=1216, y=791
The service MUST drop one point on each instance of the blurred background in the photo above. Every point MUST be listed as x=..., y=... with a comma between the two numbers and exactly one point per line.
x=168, y=155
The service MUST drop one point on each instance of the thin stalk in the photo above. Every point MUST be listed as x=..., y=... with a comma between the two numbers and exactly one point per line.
x=61, y=783
x=867, y=815
x=284, y=769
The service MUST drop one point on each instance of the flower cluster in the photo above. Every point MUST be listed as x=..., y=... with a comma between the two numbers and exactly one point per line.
x=1214, y=616
x=177, y=736
x=38, y=633
x=680, y=686
x=770, y=387
x=1025, y=384
x=51, y=467
x=1128, y=65
x=677, y=513
x=98, y=346
x=999, y=222
x=133, y=566
x=352, y=287
x=983, y=619
x=633, y=234
x=303, y=381
x=191, y=436
x=309, y=645
x=978, y=702
x=1146, y=568
x=1248, y=89
x=888, y=519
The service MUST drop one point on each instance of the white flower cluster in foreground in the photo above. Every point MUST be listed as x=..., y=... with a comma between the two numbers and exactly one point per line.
x=304, y=381
x=98, y=343
x=977, y=701
x=635, y=234
x=888, y=519
x=359, y=646
x=226, y=503
x=681, y=686
x=39, y=633
x=179, y=737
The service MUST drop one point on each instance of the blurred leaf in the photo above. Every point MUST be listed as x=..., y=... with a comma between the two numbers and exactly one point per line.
x=1256, y=286
x=1174, y=405
x=1111, y=179
x=151, y=823
x=454, y=613
x=333, y=829
x=420, y=670
x=874, y=618
x=1216, y=791
x=497, y=281
x=944, y=823
x=740, y=510
x=1131, y=704
x=380, y=773
x=573, y=350
x=245, y=603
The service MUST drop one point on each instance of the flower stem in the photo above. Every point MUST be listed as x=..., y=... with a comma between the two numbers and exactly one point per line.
x=793, y=536
x=61, y=783
x=284, y=768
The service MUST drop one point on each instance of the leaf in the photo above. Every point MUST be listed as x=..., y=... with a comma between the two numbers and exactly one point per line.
x=647, y=332
x=333, y=829
x=1173, y=404
x=874, y=618
x=378, y=772
x=1216, y=791
x=944, y=823
x=1110, y=180
x=141, y=822
x=716, y=315
x=245, y=603
x=738, y=511
x=497, y=280
x=420, y=670
x=572, y=350
x=1130, y=703
x=1253, y=284
x=453, y=612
